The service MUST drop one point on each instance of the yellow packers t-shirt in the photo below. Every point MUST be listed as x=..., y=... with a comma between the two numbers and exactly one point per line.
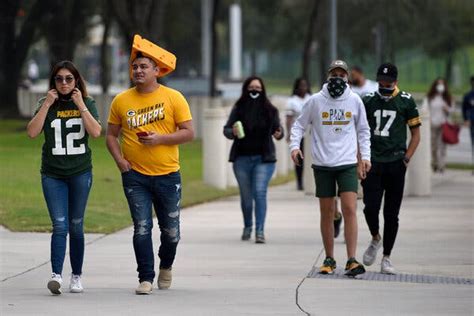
x=159, y=111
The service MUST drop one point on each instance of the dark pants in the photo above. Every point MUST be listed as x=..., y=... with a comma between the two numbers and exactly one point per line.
x=164, y=193
x=299, y=169
x=388, y=178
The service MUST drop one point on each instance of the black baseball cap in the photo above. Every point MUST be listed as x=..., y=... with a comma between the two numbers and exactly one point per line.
x=387, y=72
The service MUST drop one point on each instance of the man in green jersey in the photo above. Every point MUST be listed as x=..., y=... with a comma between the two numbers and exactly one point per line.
x=389, y=111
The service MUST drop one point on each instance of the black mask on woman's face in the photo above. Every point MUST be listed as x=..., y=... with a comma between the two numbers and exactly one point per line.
x=255, y=94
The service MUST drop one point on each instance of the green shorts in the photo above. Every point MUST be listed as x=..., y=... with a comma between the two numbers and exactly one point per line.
x=326, y=179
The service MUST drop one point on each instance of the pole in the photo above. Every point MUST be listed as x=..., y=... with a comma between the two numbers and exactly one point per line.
x=333, y=30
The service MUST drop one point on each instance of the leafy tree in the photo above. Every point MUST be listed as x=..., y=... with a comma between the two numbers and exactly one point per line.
x=64, y=24
x=393, y=22
x=18, y=21
x=309, y=39
x=446, y=26
x=144, y=17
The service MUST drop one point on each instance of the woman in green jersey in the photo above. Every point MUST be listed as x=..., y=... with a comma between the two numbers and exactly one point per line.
x=66, y=116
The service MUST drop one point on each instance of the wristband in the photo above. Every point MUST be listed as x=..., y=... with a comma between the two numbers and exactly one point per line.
x=406, y=159
x=85, y=110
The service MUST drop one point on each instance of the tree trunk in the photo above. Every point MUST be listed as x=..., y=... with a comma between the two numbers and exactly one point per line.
x=104, y=57
x=305, y=69
x=8, y=74
x=144, y=17
x=253, y=62
x=13, y=52
x=448, y=71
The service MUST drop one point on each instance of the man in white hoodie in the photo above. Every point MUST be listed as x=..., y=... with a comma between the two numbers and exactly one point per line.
x=340, y=139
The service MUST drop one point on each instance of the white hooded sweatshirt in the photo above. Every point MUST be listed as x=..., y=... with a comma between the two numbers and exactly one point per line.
x=338, y=127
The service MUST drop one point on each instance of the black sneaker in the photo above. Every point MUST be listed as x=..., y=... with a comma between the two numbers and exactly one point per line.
x=328, y=267
x=354, y=268
x=259, y=238
x=247, y=233
x=337, y=225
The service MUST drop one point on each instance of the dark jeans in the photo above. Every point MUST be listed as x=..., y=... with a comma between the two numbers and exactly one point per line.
x=472, y=141
x=66, y=200
x=388, y=178
x=253, y=177
x=164, y=193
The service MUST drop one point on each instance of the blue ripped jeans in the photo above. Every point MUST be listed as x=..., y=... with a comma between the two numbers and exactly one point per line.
x=164, y=193
x=66, y=200
x=253, y=177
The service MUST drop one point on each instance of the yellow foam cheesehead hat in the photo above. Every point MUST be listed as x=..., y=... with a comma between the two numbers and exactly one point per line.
x=165, y=60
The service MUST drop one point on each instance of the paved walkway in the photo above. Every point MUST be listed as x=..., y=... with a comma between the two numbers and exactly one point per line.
x=217, y=274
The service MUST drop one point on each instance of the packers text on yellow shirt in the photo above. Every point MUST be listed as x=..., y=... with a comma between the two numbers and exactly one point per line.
x=159, y=111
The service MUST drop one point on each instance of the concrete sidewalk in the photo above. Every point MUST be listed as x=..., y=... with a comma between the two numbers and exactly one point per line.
x=217, y=274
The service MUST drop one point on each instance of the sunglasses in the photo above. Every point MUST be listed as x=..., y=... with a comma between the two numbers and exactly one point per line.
x=60, y=79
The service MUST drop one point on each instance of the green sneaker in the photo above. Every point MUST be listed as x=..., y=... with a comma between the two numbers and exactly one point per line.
x=328, y=267
x=354, y=268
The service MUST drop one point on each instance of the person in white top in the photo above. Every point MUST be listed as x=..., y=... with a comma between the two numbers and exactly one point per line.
x=441, y=104
x=340, y=141
x=301, y=94
x=360, y=84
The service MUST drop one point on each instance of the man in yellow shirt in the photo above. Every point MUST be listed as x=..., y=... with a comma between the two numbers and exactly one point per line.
x=152, y=121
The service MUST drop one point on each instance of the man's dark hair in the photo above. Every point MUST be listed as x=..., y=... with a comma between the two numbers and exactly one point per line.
x=140, y=55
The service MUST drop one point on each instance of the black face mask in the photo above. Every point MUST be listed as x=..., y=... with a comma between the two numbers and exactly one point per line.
x=255, y=94
x=386, y=91
x=336, y=87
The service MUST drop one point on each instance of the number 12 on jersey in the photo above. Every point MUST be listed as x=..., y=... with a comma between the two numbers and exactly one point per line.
x=59, y=148
x=378, y=121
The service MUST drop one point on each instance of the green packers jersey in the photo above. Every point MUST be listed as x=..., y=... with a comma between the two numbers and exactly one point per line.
x=66, y=151
x=387, y=121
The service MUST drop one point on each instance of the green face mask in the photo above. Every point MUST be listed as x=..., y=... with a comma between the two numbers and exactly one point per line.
x=336, y=86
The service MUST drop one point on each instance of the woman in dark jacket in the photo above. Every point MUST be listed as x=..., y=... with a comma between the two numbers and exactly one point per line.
x=253, y=151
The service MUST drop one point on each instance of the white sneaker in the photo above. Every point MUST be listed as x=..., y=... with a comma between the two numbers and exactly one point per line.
x=371, y=253
x=76, y=286
x=164, y=279
x=386, y=266
x=54, y=285
x=144, y=288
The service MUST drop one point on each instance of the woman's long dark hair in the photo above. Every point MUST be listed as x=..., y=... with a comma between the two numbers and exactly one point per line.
x=249, y=110
x=447, y=97
x=296, y=84
x=66, y=64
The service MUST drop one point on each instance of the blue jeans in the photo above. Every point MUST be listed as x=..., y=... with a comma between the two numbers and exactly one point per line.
x=66, y=200
x=164, y=193
x=253, y=177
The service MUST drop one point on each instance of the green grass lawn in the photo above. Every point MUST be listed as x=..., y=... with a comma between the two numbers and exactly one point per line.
x=22, y=206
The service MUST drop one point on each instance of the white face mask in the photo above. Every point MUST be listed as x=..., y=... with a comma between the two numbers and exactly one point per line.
x=440, y=88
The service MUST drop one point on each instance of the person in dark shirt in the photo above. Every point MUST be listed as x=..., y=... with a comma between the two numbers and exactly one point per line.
x=468, y=114
x=253, y=151
x=389, y=112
